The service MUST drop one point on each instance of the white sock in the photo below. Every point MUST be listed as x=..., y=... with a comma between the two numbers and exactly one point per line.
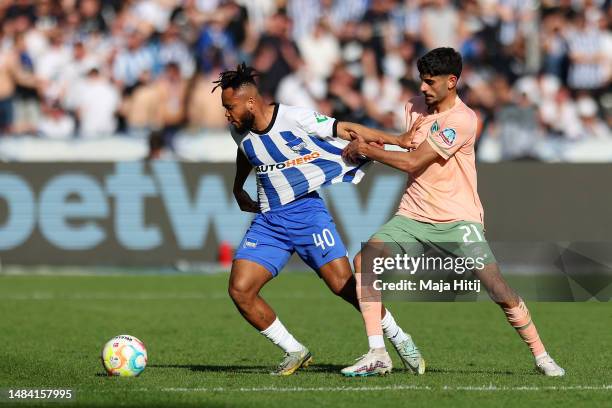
x=376, y=342
x=278, y=334
x=394, y=333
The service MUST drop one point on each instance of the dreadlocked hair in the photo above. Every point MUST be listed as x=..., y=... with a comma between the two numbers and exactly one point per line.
x=235, y=79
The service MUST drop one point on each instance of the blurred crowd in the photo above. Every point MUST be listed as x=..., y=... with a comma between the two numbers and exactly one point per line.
x=533, y=70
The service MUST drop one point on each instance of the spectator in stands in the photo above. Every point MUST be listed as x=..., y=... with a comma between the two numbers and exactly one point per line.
x=12, y=74
x=141, y=109
x=301, y=88
x=25, y=104
x=320, y=50
x=153, y=15
x=353, y=59
x=76, y=71
x=8, y=67
x=586, y=55
x=307, y=14
x=55, y=123
x=592, y=126
x=517, y=125
x=560, y=116
x=276, y=55
x=48, y=14
x=203, y=108
x=96, y=103
x=131, y=62
x=91, y=19
x=440, y=25
x=172, y=48
x=347, y=103
x=381, y=92
x=171, y=93
x=216, y=35
x=51, y=64
x=554, y=46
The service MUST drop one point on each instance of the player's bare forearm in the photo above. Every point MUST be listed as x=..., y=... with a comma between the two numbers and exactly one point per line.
x=398, y=160
x=243, y=169
x=409, y=162
x=345, y=129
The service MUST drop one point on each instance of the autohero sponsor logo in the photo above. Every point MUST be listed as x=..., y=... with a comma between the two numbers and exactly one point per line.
x=298, y=161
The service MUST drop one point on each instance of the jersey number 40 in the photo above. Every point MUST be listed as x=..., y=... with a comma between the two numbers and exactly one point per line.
x=324, y=238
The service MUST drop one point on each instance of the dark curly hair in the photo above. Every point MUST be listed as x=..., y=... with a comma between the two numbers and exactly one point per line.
x=235, y=79
x=441, y=61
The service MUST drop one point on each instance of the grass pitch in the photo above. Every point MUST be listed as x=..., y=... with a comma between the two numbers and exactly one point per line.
x=202, y=353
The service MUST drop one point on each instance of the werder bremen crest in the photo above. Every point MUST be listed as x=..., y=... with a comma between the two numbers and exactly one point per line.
x=434, y=128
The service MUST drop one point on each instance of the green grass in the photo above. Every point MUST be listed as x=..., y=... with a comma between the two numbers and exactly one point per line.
x=52, y=329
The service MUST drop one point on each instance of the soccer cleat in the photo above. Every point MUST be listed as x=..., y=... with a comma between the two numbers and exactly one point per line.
x=547, y=366
x=293, y=361
x=411, y=356
x=375, y=362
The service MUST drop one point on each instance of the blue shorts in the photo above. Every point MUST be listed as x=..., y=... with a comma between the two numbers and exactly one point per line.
x=303, y=226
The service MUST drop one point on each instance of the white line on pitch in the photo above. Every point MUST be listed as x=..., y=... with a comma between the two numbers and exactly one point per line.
x=493, y=388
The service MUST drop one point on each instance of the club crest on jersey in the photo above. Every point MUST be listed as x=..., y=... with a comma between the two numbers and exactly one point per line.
x=448, y=136
x=434, y=128
x=298, y=145
x=250, y=243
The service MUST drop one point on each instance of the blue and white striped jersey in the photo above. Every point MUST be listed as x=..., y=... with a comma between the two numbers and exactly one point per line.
x=298, y=153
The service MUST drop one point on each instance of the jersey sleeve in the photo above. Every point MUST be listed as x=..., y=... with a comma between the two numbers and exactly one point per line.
x=316, y=124
x=453, y=134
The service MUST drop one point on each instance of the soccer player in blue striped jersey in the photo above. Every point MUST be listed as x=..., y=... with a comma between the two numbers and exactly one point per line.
x=294, y=151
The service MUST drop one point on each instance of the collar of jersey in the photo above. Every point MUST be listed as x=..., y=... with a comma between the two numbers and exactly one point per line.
x=267, y=129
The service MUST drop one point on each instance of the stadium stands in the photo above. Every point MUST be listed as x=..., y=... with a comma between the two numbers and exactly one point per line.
x=84, y=74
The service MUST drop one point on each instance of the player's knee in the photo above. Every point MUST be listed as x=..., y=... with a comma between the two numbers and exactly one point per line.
x=341, y=285
x=508, y=300
x=240, y=293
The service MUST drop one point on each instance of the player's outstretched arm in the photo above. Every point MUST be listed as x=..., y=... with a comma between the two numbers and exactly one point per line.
x=409, y=162
x=349, y=130
x=243, y=169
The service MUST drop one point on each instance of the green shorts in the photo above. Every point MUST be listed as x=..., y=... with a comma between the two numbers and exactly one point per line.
x=464, y=239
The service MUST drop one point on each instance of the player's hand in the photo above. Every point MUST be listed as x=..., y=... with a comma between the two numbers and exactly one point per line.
x=408, y=145
x=407, y=138
x=245, y=202
x=354, y=151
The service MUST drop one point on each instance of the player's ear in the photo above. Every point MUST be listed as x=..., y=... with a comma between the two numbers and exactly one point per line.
x=452, y=81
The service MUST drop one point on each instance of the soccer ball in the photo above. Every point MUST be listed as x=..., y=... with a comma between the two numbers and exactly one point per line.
x=124, y=355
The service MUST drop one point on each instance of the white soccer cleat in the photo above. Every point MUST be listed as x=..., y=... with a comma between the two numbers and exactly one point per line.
x=547, y=366
x=375, y=362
